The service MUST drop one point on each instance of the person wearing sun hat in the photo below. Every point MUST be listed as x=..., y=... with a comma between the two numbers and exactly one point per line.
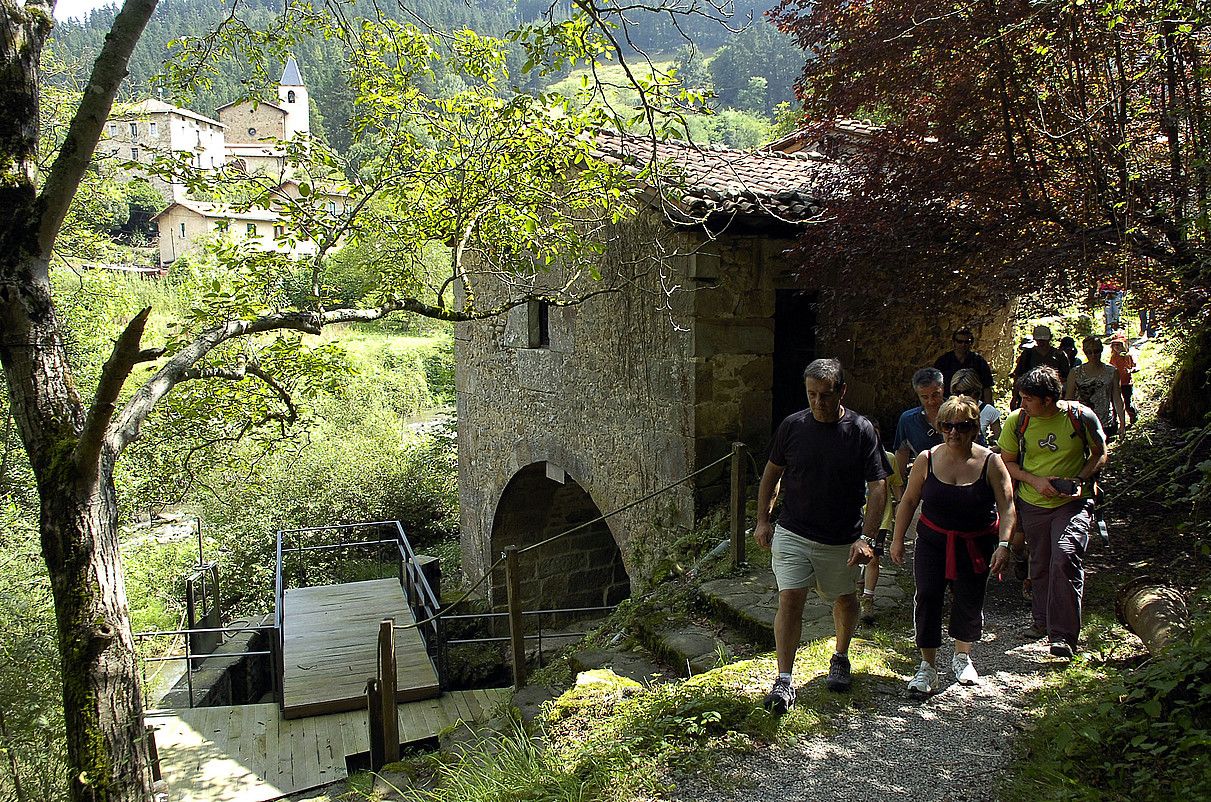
x=1124, y=363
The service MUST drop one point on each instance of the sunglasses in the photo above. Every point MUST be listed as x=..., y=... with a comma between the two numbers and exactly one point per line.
x=964, y=342
x=961, y=426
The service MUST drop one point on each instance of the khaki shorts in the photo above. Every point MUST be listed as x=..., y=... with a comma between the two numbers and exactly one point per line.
x=802, y=563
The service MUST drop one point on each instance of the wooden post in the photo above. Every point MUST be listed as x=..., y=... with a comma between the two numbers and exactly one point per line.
x=389, y=682
x=517, y=638
x=374, y=719
x=737, y=505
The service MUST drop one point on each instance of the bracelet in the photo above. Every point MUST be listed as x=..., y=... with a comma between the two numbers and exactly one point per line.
x=1004, y=544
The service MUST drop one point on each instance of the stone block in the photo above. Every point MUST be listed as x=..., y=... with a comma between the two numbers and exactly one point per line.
x=741, y=337
x=540, y=370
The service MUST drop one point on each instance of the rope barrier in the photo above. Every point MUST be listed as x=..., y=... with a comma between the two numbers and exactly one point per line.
x=626, y=507
x=553, y=538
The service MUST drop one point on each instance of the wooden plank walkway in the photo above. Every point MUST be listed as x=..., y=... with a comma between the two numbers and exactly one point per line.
x=250, y=753
x=330, y=642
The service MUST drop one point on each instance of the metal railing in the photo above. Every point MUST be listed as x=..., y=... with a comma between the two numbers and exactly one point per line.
x=737, y=457
x=537, y=635
x=191, y=656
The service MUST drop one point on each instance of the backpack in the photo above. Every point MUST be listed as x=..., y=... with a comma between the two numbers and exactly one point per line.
x=1073, y=412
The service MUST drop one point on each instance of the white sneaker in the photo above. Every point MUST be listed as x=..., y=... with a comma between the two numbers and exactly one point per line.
x=964, y=669
x=925, y=681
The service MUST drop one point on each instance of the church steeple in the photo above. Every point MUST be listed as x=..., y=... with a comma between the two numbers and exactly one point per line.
x=291, y=75
x=292, y=96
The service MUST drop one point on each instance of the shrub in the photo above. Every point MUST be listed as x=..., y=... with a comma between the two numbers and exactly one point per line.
x=1137, y=734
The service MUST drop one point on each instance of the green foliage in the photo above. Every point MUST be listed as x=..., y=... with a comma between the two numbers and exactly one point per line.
x=757, y=70
x=31, y=718
x=1126, y=733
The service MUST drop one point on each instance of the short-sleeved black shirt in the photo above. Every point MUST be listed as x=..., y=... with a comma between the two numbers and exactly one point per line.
x=949, y=364
x=827, y=468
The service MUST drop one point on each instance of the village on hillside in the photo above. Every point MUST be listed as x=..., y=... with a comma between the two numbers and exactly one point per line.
x=250, y=136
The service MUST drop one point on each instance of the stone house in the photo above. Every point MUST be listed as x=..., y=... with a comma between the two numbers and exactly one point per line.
x=566, y=412
x=185, y=224
x=139, y=133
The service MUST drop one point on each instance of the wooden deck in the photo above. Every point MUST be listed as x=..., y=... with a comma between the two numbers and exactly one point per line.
x=250, y=753
x=330, y=637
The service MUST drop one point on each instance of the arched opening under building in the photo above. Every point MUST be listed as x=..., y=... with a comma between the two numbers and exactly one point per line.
x=583, y=569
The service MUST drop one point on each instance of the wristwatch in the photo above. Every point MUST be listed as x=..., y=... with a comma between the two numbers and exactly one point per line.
x=1004, y=544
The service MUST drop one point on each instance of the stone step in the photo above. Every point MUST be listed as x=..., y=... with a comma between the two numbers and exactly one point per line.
x=632, y=664
x=691, y=648
x=749, y=603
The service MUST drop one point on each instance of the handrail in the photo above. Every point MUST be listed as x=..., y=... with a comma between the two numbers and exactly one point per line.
x=153, y=633
x=191, y=656
x=443, y=613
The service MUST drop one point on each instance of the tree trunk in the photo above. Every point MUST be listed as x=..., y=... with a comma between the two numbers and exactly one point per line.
x=102, y=705
x=102, y=702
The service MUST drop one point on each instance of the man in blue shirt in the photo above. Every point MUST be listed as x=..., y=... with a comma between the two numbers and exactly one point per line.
x=917, y=429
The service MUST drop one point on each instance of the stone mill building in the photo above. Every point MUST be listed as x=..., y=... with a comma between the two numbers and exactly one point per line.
x=568, y=412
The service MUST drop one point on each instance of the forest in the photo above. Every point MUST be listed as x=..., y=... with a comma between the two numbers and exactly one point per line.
x=747, y=67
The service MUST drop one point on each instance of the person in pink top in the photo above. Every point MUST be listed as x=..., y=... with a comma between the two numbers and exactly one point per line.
x=1124, y=363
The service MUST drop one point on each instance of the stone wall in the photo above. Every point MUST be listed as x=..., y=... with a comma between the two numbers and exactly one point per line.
x=609, y=404
x=249, y=122
x=641, y=387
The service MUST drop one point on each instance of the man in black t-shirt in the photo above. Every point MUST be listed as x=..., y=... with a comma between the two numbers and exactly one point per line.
x=828, y=462
x=962, y=357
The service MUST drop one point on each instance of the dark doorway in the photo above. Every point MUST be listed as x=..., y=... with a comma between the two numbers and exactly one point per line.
x=794, y=347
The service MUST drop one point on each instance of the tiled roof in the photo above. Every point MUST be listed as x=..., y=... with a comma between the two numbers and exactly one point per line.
x=694, y=183
x=271, y=105
x=219, y=211
x=808, y=139
x=153, y=106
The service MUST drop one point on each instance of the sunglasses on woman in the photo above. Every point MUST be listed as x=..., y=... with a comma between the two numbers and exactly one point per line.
x=961, y=426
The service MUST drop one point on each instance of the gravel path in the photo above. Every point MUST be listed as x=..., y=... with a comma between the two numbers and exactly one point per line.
x=950, y=747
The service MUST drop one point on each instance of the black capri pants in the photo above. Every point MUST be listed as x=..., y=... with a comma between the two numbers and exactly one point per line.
x=967, y=589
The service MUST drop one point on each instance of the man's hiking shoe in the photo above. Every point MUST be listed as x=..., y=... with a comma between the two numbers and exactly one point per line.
x=1061, y=649
x=781, y=698
x=1035, y=631
x=925, y=682
x=964, y=669
x=867, y=606
x=838, y=674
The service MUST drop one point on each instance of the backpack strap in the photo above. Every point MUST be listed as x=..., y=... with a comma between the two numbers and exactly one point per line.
x=1079, y=429
x=1023, y=422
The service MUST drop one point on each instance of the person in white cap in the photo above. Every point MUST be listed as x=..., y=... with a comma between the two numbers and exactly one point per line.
x=1041, y=354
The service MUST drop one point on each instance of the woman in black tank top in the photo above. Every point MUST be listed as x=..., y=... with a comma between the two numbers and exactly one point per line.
x=961, y=538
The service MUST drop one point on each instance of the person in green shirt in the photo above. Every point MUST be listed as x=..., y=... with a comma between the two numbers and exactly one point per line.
x=1053, y=459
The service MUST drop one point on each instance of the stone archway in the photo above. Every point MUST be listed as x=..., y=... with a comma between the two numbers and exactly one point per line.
x=584, y=569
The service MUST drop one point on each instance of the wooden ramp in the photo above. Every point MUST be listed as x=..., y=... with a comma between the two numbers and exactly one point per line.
x=250, y=753
x=330, y=642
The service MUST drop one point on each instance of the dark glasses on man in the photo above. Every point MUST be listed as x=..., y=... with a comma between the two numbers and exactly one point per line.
x=960, y=426
x=964, y=341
